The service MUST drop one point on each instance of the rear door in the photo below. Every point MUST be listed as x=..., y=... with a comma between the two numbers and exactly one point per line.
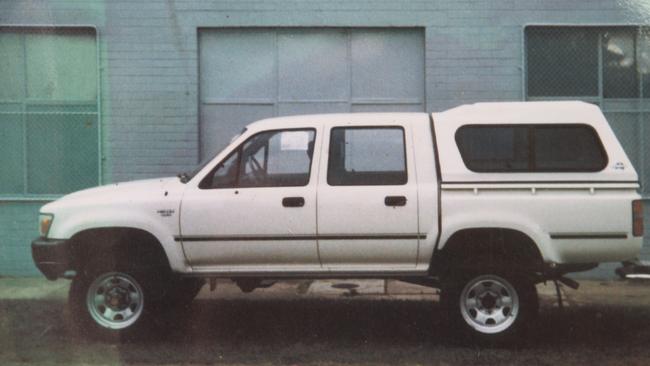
x=367, y=199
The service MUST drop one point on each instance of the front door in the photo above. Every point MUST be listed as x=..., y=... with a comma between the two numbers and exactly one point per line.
x=367, y=200
x=256, y=210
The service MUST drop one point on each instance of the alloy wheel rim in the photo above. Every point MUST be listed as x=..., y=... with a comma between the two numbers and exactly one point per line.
x=115, y=300
x=489, y=304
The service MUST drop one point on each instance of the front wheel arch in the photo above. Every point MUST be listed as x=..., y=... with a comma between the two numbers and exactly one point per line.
x=116, y=246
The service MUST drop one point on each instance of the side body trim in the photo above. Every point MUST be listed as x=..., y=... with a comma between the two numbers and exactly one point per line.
x=541, y=182
x=301, y=237
x=588, y=236
x=322, y=274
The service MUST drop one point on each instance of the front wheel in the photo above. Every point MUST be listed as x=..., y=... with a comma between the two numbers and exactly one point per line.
x=114, y=303
x=492, y=307
x=183, y=291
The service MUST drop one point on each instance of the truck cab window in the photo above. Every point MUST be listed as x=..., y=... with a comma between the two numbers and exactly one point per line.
x=267, y=159
x=367, y=156
x=225, y=176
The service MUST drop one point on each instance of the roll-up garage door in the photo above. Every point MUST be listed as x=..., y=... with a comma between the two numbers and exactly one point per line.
x=249, y=74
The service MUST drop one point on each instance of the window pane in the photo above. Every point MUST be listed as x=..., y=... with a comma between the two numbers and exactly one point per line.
x=367, y=156
x=11, y=153
x=61, y=67
x=50, y=96
x=225, y=176
x=642, y=155
x=643, y=60
x=568, y=148
x=562, y=61
x=12, y=67
x=629, y=132
x=277, y=159
x=507, y=148
x=290, y=152
x=494, y=149
x=62, y=152
x=620, y=78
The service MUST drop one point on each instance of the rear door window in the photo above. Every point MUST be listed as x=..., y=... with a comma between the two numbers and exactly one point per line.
x=367, y=156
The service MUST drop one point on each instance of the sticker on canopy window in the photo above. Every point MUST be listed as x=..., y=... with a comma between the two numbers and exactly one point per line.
x=294, y=140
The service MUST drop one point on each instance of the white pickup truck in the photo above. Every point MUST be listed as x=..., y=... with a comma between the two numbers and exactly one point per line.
x=482, y=201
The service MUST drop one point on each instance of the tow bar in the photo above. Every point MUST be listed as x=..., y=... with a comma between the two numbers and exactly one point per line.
x=564, y=281
x=637, y=269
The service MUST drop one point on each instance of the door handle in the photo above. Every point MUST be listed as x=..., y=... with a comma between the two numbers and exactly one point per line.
x=395, y=201
x=293, y=202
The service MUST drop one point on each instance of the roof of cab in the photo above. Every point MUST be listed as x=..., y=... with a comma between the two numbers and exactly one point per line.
x=329, y=117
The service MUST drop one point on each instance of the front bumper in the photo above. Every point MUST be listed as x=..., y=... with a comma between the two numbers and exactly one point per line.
x=51, y=256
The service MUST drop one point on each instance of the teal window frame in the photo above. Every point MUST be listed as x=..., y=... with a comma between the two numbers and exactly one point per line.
x=635, y=110
x=24, y=107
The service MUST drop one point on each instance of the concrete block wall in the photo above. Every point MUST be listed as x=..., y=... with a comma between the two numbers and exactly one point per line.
x=18, y=227
x=149, y=68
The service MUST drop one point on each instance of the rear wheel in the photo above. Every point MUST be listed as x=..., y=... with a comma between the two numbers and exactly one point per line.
x=492, y=307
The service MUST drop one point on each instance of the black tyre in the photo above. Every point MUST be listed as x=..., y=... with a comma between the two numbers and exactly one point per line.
x=115, y=303
x=183, y=291
x=491, y=307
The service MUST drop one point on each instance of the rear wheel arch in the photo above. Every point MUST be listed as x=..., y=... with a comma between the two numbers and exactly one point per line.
x=495, y=247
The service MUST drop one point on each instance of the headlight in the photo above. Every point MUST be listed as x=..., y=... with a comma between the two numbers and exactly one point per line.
x=44, y=223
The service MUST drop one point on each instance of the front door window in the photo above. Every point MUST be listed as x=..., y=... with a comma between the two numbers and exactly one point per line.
x=280, y=158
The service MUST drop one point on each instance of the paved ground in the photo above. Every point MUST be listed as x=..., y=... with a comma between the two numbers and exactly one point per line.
x=329, y=323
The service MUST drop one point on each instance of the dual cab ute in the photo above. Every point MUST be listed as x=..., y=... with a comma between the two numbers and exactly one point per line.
x=482, y=201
